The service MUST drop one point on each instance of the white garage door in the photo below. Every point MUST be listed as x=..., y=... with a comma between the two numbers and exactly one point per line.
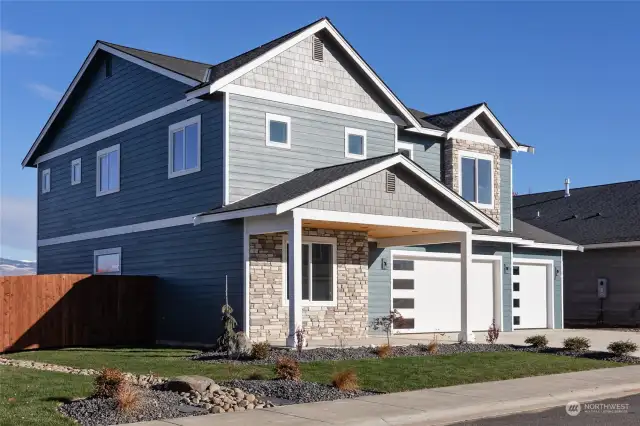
x=529, y=295
x=426, y=291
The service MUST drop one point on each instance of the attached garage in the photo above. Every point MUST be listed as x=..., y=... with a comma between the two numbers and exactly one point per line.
x=532, y=293
x=425, y=289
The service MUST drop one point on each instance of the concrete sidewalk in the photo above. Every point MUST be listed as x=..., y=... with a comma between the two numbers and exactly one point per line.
x=439, y=406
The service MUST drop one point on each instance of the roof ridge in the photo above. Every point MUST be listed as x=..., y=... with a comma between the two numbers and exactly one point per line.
x=358, y=161
x=454, y=110
x=108, y=43
x=582, y=187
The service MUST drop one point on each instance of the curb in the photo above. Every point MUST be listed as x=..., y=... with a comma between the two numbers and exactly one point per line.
x=479, y=411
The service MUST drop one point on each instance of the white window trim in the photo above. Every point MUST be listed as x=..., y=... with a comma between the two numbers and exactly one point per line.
x=405, y=145
x=43, y=189
x=309, y=240
x=76, y=162
x=102, y=152
x=282, y=118
x=115, y=250
x=477, y=156
x=358, y=132
x=181, y=126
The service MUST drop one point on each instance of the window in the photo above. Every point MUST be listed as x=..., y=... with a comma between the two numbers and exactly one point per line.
x=108, y=171
x=184, y=147
x=403, y=303
x=476, y=178
x=355, y=143
x=319, y=271
x=516, y=303
x=46, y=181
x=516, y=270
x=405, y=149
x=516, y=286
x=403, y=323
x=107, y=261
x=402, y=284
x=403, y=265
x=516, y=320
x=76, y=171
x=278, y=131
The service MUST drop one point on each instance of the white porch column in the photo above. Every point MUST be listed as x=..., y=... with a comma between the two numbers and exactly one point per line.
x=466, y=335
x=294, y=264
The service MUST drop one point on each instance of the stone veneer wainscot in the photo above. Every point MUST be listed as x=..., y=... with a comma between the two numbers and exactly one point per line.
x=268, y=315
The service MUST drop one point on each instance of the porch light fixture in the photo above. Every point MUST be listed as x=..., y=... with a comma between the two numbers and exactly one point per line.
x=384, y=265
x=506, y=268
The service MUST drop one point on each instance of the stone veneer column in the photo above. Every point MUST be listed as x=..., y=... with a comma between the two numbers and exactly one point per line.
x=452, y=169
x=268, y=314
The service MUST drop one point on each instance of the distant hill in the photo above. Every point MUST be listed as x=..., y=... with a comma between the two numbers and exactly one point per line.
x=16, y=267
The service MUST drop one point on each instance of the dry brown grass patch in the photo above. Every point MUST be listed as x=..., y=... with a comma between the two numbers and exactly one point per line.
x=346, y=380
x=384, y=351
x=108, y=382
x=128, y=398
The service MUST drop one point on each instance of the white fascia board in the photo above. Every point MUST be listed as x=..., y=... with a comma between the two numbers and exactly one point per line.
x=83, y=68
x=612, y=245
x=430, y=180
x=565, y=247
x=176, y=106
x=430, y=132
x=411, y=240
x=529, y=149
x=482, y=109
x=235, y=214
x=379, y=220
x=500, y=239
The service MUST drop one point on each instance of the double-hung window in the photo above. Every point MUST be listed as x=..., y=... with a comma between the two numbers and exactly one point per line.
x=76, y=171
x=319, y=271
x=184, y=147
x=45, y=184
x=278, y=131
x=107, y=261
x=108, y=170
x=476, y=178
x=355, y=143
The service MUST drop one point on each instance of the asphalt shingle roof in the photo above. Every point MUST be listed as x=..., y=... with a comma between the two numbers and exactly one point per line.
x=449, y=119
x=590, y=215
x=528, y=232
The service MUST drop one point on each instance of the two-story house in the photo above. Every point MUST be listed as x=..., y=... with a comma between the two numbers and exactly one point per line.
x=293, y=172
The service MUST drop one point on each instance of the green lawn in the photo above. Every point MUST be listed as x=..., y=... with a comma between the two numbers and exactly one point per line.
x=30, y=397
x=384, y=375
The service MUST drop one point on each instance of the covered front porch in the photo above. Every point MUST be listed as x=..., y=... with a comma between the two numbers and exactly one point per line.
x=327, y=254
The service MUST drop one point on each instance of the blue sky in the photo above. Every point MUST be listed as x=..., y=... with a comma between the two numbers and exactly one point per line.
x=560, y=76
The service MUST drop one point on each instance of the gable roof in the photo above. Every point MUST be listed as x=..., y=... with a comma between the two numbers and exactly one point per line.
x=591, y=215
x=319, y=182
x=529, y=232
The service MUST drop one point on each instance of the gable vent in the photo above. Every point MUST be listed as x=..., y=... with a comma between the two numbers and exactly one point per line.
x=318, y=49
x=391, y=182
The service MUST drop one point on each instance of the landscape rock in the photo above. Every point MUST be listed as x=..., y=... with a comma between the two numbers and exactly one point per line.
x=190, y=383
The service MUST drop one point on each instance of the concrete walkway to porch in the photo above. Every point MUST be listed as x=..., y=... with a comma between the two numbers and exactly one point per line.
x=600, y=339
x=441, y=405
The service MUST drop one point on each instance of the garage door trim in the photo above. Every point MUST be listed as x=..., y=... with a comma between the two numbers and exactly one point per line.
x=549, y=287
x=497, y=274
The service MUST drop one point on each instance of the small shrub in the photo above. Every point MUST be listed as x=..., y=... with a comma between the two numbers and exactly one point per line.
x=387, y=322
x=345, y=380
x=128, y=398
x=621, y=347
x=576, y=343
x=432, y=347
x=288, y=369
x=383, y=351
x=260, y=350
x=257, y=375
x=108, y=383
x=537, y=341
x=493, y=333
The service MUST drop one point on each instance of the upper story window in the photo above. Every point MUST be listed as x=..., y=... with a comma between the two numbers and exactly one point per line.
x=108, y=170
x=46, y=181
x=76, y=171
x=405, y=149
x=184, y=147
x=107, y=261
x=355, y=143
x=476, y=178
x=278, y=131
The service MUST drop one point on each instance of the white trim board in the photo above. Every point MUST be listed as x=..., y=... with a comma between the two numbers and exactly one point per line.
x=176, y=106
x=483, y=109
x=612, y=245
x=225, y=142
x=565, y=247
x=307, y=103
x=99, y=46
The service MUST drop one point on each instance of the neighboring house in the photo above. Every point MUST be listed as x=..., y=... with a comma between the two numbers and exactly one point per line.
x=295, y=151
x=602, y=285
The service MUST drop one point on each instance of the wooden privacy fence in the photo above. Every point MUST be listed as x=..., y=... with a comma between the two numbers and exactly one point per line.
x=52, y=311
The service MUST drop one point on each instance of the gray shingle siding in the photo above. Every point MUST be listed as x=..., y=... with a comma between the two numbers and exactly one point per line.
x=556, y=256
x=427, y=151
x=506, y=193
x=145, y=193
x=317, y=140
x=101, y=103
x=191, y=263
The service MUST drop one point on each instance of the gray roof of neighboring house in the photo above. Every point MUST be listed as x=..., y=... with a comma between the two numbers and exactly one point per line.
x=591, y=215
x=528, y=232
